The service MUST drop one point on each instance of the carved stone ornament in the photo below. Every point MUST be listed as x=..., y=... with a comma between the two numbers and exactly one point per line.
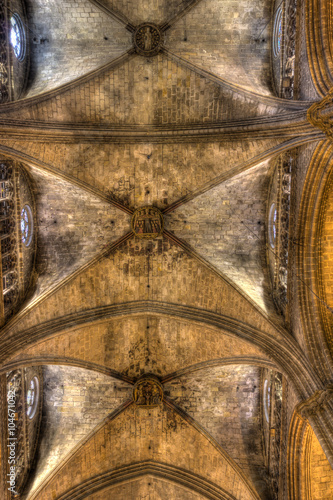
x=315, y=403
x=148, y=393
x=320, y=114
x=147, y=39
x=147, y=222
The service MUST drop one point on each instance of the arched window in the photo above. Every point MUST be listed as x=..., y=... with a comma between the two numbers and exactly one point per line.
x=32, y=397
x=277, y=32
x=17, y=37
x=26, y=225
x=272, y=225
x=267, y=399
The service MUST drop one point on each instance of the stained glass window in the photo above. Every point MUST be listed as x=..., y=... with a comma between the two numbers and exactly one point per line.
x=279, y=35
x=17, y=37
x=272, y=225
x=267, y=399
x=277, y=32
x=32, y=397
x=26, y=225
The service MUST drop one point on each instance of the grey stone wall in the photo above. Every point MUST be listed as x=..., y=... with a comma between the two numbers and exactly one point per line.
x=78, y=38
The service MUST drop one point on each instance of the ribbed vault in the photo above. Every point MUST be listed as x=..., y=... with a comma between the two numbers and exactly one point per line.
x=194, y=131
x=77, y=38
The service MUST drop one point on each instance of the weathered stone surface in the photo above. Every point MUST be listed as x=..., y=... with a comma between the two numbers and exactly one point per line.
x=140, y=11
x=78, y=38
x=155, y=435
x=73, y=227
x=172, y=94
x=147, y=488
x=129, y=133
x=155, y=270
x=226, y=226
x=321, y=473
x=142, y=344
x=306, y=88
x=226, y=402
x=125, y=172
x=304, y=156
x=228, y=39
x=75, y=402
x=325, y=270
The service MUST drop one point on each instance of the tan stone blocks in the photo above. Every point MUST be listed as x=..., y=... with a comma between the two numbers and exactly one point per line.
x=172, y=276
x=76, y=32
x=142, y=344
x=244, y=59
x=131, y=433
x=148, y=485
x=75, y=402
x=226, y=225
x=321, y=473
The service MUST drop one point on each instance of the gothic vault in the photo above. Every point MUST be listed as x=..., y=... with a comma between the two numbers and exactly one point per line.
x=166, y=242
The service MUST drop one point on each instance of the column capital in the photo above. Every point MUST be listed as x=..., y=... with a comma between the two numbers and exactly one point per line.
x=320, y=114
x=315, y=403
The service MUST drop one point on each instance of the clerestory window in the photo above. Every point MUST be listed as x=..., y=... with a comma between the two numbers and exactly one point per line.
x=277, y=32
x=272, y=225
x=32, y=397
x=267, y=399
x=17, y=37
x=26, y=225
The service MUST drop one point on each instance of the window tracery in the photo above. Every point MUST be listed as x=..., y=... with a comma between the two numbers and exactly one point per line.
x=17, y=36
x=23, y=406
x=278, y=228
x=277, y=434
x=272, y=225
x=277, y=32
x=26, y=225
x=13, y=51
x=267, y=399
x=9, y=263
x=4, y=63
x=274, y=405
x=290, y=48
x=32, y=397
x=285, y=187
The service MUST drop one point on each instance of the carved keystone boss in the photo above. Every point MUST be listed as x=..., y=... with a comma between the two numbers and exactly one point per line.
x=147, y=39
x=147, y=222
x=148, y=392
x=320, y=114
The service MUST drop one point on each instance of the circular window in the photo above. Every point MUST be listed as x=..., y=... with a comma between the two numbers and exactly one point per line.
x=267, y=399
x=17, y=37
x=272, y=225
x=26, y=225
x=277, y=32
x=32, y=397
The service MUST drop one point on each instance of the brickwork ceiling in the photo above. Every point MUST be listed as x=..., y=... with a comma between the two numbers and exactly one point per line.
x=70, y=401
x=155, y=329
x=79, y=38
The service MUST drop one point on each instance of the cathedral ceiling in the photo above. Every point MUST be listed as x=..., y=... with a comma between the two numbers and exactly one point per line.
x=207, y=223
x=156, y=435
x=133, y=346
x=194, y=131
x=64, y=243
x=71, y=44
x=70, y=401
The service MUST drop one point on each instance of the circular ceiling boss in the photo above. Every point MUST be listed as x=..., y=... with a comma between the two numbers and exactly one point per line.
x=148, y=392
x=147, y=222
x=147, y=39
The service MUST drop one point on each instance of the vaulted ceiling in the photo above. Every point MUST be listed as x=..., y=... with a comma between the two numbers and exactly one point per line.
x=194, y=131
